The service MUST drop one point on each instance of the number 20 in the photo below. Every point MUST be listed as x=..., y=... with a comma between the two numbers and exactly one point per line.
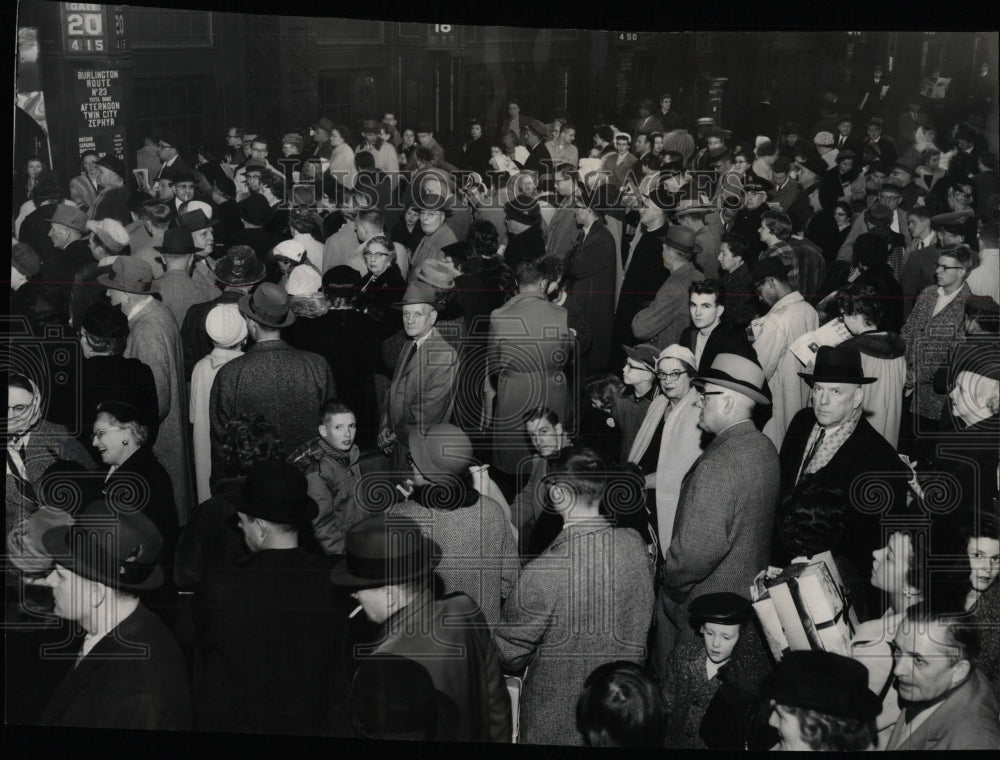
x=84, y=24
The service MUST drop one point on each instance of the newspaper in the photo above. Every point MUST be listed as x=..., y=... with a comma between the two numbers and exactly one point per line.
x=833, y=333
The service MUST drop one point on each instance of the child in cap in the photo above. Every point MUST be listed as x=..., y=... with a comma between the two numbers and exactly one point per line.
x=228, y=331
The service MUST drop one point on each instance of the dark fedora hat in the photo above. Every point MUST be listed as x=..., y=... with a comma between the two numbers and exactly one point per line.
x=370, y=125
x=240, y=266
x=724, y=607
x=114, y=164
x=523, y=209
x=130, y=275
x=196, y=220
x=268, y=305
x=177, y=242
x=255, y=209
x=878, y=213
x=876, y=121
x=325, y=124
x=118, y=549
x=104, y=321
x=837, y=364
x=418, y=292
x=845, y=154
x=383, y=550
x=738, y=374
x=393, y=697
x=826, y=682
x=680, y=239
x=277, y=492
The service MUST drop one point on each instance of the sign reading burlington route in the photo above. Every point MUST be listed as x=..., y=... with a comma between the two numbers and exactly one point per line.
x=99, y=92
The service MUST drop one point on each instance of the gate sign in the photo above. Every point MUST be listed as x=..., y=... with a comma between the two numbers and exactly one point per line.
x=100, y=88
x=83, y=28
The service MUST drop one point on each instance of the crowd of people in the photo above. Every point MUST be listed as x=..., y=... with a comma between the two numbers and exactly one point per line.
x=360, y=441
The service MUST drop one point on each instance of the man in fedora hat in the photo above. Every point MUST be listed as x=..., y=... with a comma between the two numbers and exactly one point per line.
x=256, y=212
x=389, y=567
x=832, y=442
x=421, y=392
x=433, y=211
x=265, y=628
x=662, y=322
x=236, y=273
x=884, y=215
x=722, y=531
x=113, y=200
x=821, y=701
x=284, y=384
x=168, y=151
x=130, y=673
x=154, y=339
x=71, y=249
x=178, y=291
x=882, y=144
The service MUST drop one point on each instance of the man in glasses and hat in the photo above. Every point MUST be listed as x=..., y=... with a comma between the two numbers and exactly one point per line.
x=662, y=322
x=265, y=628
x=130, y=673
x=178, y=291
x=722, y=530
x=389, y=567
x=284, y=384
x=421, y=392
x=154, y=339
x=832, y=442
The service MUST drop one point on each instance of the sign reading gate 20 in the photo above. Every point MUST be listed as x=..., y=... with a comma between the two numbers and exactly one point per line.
x=83, y=28
x=99, y=93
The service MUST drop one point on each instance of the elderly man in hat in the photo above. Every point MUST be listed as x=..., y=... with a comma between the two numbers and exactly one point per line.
x=591, y=572
x=264, y=628
x=284, y=384
x=833, y=442
x=533, y=135
x=590, y=268
x=421, y=392
x=529, y=346
x=184, y=185
x=389, y=567
x=255, y=212
x=178, y=291
x=662, y=322
x=947, y=702
x=236, y=274
x=113, y=200
x=68, y=232
x=722, y=532
x=154, y=339
x=433, y=211
x=523, y=218
x=130, y=673
x=821, y=701
x=168, y=151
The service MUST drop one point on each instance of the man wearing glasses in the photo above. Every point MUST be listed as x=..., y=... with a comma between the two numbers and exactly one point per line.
x=722, y=531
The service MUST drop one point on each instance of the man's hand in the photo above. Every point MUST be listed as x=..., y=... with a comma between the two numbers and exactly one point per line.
x=386, y=440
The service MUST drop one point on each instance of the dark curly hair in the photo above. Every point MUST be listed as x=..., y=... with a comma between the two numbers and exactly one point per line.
x=863, y=300
x=250, y=439
x=829, y=732
x=484, y=238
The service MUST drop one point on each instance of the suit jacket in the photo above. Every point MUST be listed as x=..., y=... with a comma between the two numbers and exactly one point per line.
x=591, y=269
x=529, y=346
x=966, y=719
x=722, y=532
x=643, y=277
x=785, y=195
x=918, y=273
x=286, y=385
x=886, y=149
x=722, y=340
x=265, y=640
x=539, y=160
x=110, y=689
x=421, y=394
x=861, y=465
x=662, y=322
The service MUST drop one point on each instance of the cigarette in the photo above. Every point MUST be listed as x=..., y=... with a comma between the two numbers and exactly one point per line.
x=355, y=611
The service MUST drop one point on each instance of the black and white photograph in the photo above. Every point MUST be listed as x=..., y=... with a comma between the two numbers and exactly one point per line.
x=512, y=379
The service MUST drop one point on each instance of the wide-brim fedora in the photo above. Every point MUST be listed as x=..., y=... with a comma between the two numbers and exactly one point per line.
x=418, y=292
x=238, y=271
x=130, y=275
x=679, y=238
x=277, y=492
x=196, y=220
x=826, y=682
x=837, y=364
x=119, y=550
x=177, y=241
x=268, y=305
x=384, y=550
x=736, y=373
x=442, y=451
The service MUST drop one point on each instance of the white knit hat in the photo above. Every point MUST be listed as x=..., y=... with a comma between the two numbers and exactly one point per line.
x=290, y=249
x=225, y=325
x=303, y=280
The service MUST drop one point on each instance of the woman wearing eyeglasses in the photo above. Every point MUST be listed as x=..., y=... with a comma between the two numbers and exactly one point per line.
x=381, y=286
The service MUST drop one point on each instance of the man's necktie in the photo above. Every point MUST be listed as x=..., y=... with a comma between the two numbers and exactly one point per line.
x=409, y=357
x=23, y=485
x=812, y=450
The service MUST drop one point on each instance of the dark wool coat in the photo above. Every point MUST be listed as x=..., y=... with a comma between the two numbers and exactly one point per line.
x=864, y=465
x=741, y=297
x=110, y=689
x=662, y=322
x=194, y=339
x=586, y=601
x=526, y=246
x=286, y=385
x=643, y=278
x=265, y=640
x=591, y=270
x=211, y=538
